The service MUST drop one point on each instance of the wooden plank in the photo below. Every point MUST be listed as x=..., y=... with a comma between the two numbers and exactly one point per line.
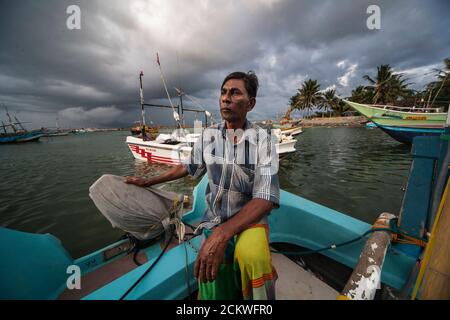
x=436, y=283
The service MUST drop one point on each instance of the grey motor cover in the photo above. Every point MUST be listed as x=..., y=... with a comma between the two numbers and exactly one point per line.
x=143, y=212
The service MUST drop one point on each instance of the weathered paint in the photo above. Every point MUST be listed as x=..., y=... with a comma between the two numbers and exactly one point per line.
x=366, y=277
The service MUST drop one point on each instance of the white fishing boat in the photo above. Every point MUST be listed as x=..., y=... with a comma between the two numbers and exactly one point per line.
x=57, y=132
x=292, y=131
x=174, y=148
x=288, y=127
x=167, y=149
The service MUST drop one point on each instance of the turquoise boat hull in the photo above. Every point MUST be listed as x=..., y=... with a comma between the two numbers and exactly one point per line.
x=406, y=135
x=21, y=137
x=402, y=126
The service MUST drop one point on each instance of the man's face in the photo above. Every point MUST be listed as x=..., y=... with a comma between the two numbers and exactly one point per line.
x=235, y=101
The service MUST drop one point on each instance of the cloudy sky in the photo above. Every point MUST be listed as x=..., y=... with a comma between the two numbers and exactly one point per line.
x=89, y=77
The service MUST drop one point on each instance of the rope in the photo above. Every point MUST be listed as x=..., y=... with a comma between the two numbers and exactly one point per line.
x=148, y=270
x=165, y=87
x=401, y=237
x=199, y=106
x=394, y=231
x=187, y=271
x=179, y=231
x=175, y=114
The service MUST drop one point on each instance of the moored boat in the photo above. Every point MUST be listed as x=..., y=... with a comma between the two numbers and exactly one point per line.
x=19, y=137
x=137, y=129
x=17, y=133
x=370, y=125
x=172, y=149
x=55, y=133
x=288, y=127
x=403, y=124
x=407, y=134
x=387, y=115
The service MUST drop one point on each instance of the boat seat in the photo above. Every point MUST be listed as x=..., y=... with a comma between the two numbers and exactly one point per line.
x=194, y=216
x=33, y=266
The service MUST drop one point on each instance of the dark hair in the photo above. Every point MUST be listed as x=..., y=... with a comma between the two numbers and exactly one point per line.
x=250, y=80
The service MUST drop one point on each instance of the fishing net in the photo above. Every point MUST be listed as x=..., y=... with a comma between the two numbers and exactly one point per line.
x=145, y=213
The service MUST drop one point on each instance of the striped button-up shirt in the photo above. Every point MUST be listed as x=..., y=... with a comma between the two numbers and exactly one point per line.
x=241, y=165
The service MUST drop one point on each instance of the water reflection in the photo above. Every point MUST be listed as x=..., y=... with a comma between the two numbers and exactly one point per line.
x=357, y=171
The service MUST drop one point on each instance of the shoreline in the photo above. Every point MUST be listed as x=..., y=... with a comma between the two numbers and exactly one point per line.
x=352, y=121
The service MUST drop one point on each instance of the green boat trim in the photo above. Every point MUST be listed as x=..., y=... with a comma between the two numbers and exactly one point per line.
x=389, y=117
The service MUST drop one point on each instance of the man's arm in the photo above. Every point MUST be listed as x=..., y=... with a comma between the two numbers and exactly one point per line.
x=250, y=214
x=211, y=254
x=193, y=165
x=177, y=172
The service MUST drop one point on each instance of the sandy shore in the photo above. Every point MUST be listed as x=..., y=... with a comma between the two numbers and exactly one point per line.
x=355, y=121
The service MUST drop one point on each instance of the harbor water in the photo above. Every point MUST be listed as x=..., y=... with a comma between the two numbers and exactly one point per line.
x=44, y=186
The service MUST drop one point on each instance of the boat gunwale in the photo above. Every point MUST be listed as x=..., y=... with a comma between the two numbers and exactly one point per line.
x=397, y=111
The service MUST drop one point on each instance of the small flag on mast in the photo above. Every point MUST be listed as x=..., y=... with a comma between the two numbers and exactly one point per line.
x=157, y=59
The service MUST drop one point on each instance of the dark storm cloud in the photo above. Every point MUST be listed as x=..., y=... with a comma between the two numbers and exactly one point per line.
x=90, y=76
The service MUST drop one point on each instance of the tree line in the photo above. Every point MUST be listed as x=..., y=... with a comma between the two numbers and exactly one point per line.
x=387, y=87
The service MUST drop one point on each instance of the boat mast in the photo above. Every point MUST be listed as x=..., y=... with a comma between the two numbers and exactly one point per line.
x=20, y=125
x=180, y=93
x=141, y=93
x=4, y=127
x=10, y=121
x=181, y=108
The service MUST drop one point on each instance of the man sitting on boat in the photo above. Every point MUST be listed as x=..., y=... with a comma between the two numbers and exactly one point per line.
x=234, y=260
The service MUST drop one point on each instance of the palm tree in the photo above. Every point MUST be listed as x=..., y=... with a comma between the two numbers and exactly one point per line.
x=330, y=101
x=442, y=85
x=361, y=95
x=387, y=86
x=292, y=102
x=308, y=96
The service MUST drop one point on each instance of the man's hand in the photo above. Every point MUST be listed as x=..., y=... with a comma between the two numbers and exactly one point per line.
x=176, y=172
x=210, y=256
x=140, y=182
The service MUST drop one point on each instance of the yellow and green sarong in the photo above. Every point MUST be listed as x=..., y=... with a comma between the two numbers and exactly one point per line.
x=246, y=271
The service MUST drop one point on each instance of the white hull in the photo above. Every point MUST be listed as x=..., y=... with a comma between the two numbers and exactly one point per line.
x=285, y=148
x=152, y=151
x=292, y=131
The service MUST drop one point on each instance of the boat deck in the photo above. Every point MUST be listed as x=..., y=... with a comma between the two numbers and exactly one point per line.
x=295, y=283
